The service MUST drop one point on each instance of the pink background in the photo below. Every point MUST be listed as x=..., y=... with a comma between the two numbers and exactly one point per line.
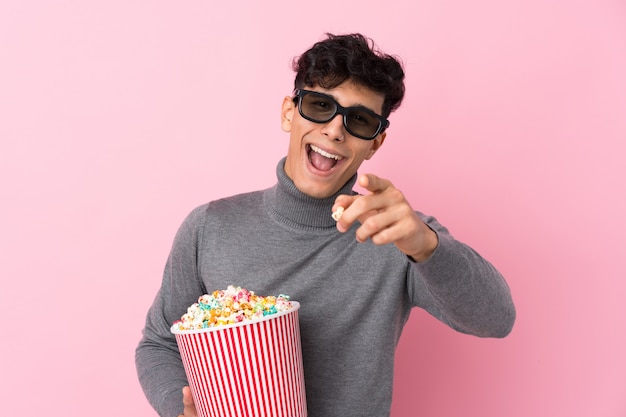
x=118, y=117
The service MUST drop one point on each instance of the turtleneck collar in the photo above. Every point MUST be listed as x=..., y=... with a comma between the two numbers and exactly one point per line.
x=291, y=206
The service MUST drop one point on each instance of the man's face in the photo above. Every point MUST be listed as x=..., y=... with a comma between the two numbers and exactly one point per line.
x=322, y=157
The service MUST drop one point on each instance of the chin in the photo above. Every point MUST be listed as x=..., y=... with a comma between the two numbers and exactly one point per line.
x=316, y=190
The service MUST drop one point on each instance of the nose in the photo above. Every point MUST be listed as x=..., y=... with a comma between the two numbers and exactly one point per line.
x=334, y=129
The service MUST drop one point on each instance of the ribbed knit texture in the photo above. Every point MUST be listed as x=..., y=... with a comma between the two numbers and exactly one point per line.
x=296, y=209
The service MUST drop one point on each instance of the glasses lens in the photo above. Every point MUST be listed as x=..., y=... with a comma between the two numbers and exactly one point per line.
x=361, y=123
x=318, y=108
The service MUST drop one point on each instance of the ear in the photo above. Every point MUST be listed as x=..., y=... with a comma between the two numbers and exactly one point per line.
x=376, y=144
x=287, y=113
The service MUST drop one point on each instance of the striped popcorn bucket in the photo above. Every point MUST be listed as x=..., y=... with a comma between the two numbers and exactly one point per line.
x=248, y=369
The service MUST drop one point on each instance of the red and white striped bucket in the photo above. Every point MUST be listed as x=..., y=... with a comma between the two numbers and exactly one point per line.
x=247, y=369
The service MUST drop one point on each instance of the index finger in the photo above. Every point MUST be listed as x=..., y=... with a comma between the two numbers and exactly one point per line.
x=373, y=183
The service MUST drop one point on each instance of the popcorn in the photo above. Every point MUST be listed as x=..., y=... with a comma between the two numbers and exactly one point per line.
x=229, y=306
x=337, y=213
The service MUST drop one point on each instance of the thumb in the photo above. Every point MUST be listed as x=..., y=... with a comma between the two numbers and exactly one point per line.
x=189, y=408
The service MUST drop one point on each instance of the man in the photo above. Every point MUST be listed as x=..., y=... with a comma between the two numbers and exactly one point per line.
x=357, y=279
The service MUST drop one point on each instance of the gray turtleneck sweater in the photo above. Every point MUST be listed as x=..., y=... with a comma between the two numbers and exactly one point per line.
x=355, y=297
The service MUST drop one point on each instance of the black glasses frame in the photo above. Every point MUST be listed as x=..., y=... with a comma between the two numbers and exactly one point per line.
x=339, y=109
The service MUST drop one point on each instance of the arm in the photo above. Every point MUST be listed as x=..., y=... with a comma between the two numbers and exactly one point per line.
x=447, y=278
x=157, y=358
x=461, y=288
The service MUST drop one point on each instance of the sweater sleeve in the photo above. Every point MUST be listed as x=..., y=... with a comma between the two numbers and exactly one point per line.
x=159, y=367
x=461, y=288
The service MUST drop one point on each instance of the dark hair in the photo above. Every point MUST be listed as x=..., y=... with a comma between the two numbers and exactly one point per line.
x=354, y=57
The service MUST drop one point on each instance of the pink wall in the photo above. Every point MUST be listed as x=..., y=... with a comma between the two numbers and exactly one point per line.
x=117, y=118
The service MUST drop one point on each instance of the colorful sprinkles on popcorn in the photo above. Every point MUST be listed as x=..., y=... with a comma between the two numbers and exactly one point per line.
x=229, y=306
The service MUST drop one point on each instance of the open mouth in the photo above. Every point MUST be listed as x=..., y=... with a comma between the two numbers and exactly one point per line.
x=320, y=159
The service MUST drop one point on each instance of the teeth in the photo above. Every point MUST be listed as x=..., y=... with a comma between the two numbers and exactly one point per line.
x=324, y=153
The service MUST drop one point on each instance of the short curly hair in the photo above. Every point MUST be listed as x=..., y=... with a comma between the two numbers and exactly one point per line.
x=354, y=57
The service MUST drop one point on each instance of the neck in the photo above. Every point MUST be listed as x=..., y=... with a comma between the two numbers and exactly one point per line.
x=297, y=209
